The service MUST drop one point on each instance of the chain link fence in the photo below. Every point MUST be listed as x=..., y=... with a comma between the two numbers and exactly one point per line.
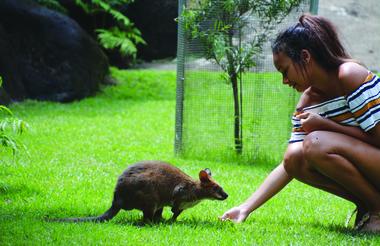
x=205, y=109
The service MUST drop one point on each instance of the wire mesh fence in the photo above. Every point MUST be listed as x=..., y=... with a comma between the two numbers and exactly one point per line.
x=205, y=109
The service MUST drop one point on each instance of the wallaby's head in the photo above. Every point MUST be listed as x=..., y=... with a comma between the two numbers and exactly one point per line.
x=211, y=189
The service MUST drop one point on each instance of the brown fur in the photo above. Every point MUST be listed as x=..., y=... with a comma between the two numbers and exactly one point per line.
x=151, y=185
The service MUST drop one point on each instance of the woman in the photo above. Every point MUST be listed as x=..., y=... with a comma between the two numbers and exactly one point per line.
x=335, y=142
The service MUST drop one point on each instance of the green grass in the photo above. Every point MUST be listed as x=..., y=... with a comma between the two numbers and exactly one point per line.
x=76, y=152
x=209, y=116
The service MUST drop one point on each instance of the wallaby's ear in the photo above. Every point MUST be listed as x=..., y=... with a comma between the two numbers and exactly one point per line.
x=208, y=171
x=203, y=176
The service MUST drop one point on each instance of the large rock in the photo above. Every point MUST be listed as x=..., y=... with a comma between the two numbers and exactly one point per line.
x=156, y=21
x=45, y=55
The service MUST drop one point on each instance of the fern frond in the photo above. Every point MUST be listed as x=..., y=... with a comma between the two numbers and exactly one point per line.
x=85, y=6
x=117, y=15
x=53, y=4
x=116, y=39
x=8, y=142
x=6, y=110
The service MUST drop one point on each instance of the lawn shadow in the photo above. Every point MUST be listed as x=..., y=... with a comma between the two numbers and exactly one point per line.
x=343, y=230
x=335, y=228
x=192, y=223
x=131, y=219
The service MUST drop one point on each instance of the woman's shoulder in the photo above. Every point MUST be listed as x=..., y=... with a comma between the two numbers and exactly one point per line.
x=351, y=75
x=309, y=98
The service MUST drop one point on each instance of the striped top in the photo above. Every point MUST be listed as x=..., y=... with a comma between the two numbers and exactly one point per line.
x=360, y=108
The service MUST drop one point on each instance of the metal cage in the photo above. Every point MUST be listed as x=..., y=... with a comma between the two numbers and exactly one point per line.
x=204, y=118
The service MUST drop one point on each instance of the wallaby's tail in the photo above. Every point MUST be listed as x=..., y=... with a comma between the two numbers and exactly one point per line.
x=109, y=214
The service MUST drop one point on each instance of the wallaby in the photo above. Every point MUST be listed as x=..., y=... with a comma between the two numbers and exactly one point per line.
x=151, y=185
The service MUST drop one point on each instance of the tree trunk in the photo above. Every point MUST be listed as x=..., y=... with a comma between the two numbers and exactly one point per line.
x=237, y=114
x=233, y=76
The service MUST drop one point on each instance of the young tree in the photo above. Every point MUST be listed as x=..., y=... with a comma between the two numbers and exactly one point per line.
x=219, y=25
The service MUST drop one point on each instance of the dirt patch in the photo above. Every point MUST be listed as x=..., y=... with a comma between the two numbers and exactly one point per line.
x=358, y=23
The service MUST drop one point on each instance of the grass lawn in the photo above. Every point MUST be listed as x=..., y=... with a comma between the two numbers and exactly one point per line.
x=76, y=152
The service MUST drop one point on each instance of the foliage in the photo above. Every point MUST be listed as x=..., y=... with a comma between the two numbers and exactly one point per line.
x=53, y=4
x=9, y=125
x=123, y=36
x=125, y=41
x=220, y=26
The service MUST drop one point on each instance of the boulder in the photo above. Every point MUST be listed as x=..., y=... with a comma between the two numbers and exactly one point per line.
x=45, y=55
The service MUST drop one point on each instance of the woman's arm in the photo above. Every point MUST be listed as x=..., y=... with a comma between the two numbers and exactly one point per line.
x=273, y=183
x=313, y=122
x=374, y=134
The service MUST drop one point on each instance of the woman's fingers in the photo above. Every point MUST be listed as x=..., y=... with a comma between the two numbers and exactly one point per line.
x=303, y=115
x=225, y=216
x=234, y=215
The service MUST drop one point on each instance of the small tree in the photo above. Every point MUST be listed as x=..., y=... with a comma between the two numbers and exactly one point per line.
x=9, y=125
x=218, y=25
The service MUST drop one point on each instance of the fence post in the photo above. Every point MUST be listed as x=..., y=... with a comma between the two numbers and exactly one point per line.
x=180, y=80
x=314, y=6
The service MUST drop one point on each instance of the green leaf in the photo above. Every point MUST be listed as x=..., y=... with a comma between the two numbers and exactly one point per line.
x=116, y=39
x=124, y=36
x=9, y=142
x=85, y=6
x=6, y=110
x=53, y=4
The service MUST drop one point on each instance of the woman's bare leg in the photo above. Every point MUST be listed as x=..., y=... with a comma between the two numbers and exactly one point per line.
x=298, y=168
x=350, y=163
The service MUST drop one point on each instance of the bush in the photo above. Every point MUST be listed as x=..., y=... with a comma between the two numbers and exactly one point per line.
x=9, y=126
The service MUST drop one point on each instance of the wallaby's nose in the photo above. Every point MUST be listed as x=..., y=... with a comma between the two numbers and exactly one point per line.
x=224, y=196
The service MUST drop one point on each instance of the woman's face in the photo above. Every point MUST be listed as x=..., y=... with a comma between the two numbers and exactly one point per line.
x=291, y=72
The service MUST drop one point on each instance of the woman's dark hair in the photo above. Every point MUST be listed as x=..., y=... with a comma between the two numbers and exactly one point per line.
x=315, y=34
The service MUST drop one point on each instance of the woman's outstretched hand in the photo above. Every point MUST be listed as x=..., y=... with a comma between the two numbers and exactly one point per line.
x=236, y=214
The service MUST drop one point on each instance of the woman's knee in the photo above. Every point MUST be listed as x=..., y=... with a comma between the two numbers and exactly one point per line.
x=293, y=159
x=313, y=147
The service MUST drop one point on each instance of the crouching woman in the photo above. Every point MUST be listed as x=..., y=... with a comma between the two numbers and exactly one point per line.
x=335, y=142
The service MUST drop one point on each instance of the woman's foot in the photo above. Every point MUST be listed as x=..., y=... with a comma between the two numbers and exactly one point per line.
x=370, y=223
x=359, y=218
x=360, y=212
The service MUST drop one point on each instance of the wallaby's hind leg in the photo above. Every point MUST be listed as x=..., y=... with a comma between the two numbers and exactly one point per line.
x=148, y=214
x=157, y=217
